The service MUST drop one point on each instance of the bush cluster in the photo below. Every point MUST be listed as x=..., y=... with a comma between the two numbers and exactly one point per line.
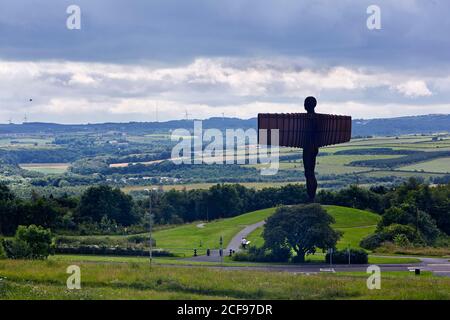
x=357, y=256
x=32, y=242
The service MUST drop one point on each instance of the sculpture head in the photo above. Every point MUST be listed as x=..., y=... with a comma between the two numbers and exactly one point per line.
x=310, y=104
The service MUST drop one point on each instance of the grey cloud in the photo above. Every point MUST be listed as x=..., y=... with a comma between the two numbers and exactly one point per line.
x=171, y=31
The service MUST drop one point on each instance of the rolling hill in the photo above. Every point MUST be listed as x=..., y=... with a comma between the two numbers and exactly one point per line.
x=360, y=127
x=355, y=224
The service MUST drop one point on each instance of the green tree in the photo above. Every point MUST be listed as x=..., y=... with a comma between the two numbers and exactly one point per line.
x=9, y=215
x=32, y=242
x=302, y=228
x=100, y=201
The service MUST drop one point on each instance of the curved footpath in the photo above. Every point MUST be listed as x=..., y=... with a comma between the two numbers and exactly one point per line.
x=235, y=244
x=439, y=266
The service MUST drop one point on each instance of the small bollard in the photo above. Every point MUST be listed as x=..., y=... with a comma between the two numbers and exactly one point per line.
x=231, y=252
x=208, y=252
x=417, y=272
x=195, y=252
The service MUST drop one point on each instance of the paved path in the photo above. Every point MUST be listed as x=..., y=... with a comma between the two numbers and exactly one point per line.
x=234, y=244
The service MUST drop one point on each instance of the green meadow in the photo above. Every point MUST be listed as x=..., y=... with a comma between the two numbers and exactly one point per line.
x=354, y=223
x=47, y=280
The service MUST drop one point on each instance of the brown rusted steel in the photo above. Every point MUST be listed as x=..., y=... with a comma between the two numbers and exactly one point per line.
x=301, y=129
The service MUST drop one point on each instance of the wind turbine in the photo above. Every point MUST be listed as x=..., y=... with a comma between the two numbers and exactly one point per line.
x=187, y=114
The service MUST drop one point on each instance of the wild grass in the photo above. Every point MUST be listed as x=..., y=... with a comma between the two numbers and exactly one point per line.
x=390, y=248
x=47, y=280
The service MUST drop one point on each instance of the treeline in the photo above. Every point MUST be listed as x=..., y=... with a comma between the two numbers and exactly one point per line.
x=418, y=156
x=374, y=151
x=102, y=209
x=204, y=173
x=44, y=155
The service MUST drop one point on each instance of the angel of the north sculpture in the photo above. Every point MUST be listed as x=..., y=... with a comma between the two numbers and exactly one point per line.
x=309, y=131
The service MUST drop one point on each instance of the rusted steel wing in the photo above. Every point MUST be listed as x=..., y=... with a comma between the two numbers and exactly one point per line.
x=305, y=129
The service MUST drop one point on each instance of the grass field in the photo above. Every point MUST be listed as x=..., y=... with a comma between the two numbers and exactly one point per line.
x=25, y=142
x=185, y=238
x=47, y=280
x=354, y=223
x=182, y=240
x=46, y=168
x=336, y=165
x=192, y=186
x=441, y=165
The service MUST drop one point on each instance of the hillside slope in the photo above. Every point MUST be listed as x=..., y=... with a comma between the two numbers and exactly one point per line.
x=355, y=224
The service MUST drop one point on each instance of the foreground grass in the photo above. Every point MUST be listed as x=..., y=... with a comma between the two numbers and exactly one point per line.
x=47, y=280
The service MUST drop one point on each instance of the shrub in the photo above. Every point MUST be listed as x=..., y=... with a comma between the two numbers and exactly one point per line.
x=401, y=240
x=395, y=230
x=357, y=256
x=32, y=242
x=17, y=249
x=261, y=254
x=138, y=238
x=111, y=251
x=405, y=234
x=372, y=241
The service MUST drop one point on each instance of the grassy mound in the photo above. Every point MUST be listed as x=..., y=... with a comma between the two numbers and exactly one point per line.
x=354, y=223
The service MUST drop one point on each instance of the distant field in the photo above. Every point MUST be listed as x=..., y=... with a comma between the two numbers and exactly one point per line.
x=47, y=168
x=25, y=142
x=333, y=164
x=441, y=165
x=192, y=186
x=400, y=174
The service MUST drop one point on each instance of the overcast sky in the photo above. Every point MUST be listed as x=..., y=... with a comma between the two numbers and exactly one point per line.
x=142, y=60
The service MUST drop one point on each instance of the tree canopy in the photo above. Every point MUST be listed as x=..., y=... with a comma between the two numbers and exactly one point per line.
x=302, y=228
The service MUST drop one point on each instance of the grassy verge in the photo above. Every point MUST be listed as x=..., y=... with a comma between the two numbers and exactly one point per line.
x=47, y=280
x=390, y=248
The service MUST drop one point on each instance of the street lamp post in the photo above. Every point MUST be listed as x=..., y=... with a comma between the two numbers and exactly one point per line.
x=150, y=222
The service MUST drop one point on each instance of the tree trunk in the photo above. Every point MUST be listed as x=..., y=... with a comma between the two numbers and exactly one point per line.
x=300, y=255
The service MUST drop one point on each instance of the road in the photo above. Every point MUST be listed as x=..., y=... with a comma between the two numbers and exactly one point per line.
x=439, y=266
